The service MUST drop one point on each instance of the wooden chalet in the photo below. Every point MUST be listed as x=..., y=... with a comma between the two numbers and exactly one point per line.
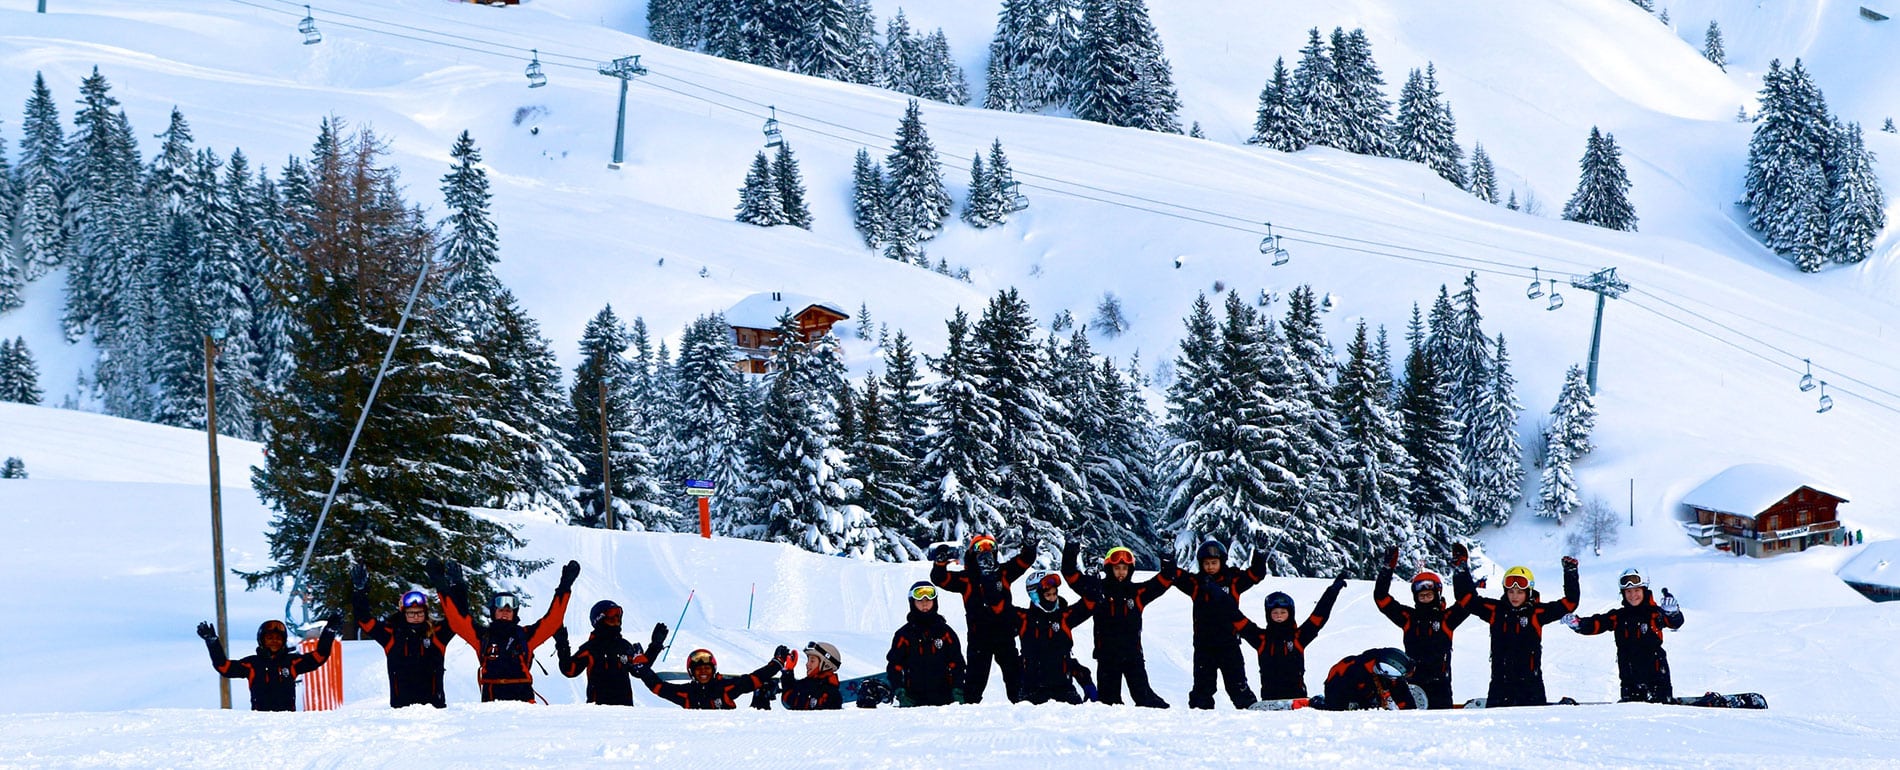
x=754, y=324
x=1763, y=510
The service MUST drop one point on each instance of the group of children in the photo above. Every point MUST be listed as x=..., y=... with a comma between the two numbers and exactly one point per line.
x=929, y=665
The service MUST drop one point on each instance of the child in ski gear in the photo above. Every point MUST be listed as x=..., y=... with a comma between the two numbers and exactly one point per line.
x=925, y=662
x=272, y=672
x=819, y=689
x=988, y=610
x=1426, y=625
x=1374, y=679
x=1216, y=592
x=1282, y=645
x=412, y=643
x=1641, y=663
x=606, y=657
x=1048, y=633
x=1517, y=631
x=707, y=689
x=1117, y=602
x=504, y=647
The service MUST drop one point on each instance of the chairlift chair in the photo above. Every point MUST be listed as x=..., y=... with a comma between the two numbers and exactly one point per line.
x=309, y=28
x=1827, y=401
x=1556, y=300
x=1017, y=200
x=1807, y=380
x=1536, y=288
x=773, y=136
x=535, y=78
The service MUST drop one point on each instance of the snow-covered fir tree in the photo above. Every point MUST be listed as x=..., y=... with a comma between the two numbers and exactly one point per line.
x=13, y=468
x=1376, y=468
x=884, y=474
x=1316, y=91
x=1574, y=416
x=1712, y=46
x=868, y=193
x=796, y=454
x=1195, y=132
x=471, y=244
x=1889, y=127
x=1483, y=179
x=921, y=64
x=1365, y=114
x=19, y=375
x=528, y=399
x=1786, y=188
x=639, y=497
x=1494, y=469
x=1278, y=123
x=1309, y=366
x=957, y=479
x=354, y=275
x=39, y=228
x=671, y=22
x=1441, y=505
x=1425, y=131
x=1003, y=191
x=1109, y=320
x=1122, y=75
x=1214, y=491
x=1602, y=196
x=759, y=200
x=833, y=44
x=1557, y=489
x=902, y=393
x=916, y=199
x=979, y=208
x=712, y=402
x=789, y=184
x=12, y=275
x=1856, y=207
x=1029, y=64
x=1037, y=478
x=943, y=78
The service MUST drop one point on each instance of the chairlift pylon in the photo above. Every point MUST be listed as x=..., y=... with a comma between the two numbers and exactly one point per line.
x=309, y=28
x=1537, y=286
x=1807, y=379
x=1827, y=401
x=773, y=136
x=1556, y=300
x=535, y=77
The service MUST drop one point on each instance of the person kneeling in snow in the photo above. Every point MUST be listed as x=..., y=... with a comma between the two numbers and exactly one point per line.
x=1374, y=679
x=504, y=647
x=606, y=657
x=1282, y=645
x=412, y=643
x=273, y=671
x=1517, y=630
x=1640, y=661
x=707, y=689
x=925, y=663
x=818, y=691
x=1048, y=632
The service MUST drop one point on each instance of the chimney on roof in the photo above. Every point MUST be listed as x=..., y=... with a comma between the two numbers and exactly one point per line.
x=776, y=297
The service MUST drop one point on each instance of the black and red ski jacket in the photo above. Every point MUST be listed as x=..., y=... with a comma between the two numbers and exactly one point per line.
x=722, y=692
x=607, y=659
x=987, y=603
x=1427, y=630
x=1517, y=633
x=1354, y=683
x=505, y=649
x=1639, y=629
x=1217, y=597
x=412, y=653
x=925, y=660
x=1117, y=606
x=813, y=693
x=272, y=676
x=1282, y=648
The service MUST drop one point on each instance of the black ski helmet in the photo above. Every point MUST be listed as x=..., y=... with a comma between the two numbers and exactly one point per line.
x=600, y=611
x=923, y=586
x=1391, y=662
x=270, y=626
x=1278, y=600
x=1211, y=549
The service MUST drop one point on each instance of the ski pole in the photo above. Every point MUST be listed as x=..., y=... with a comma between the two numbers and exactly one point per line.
x=748, y=606
x=676, y=626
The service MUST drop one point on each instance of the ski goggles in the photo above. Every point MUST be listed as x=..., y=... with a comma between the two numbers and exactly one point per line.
x=1119, y=555
x=415, y=599
x=701, y=658
x=982, y=543
x=1518, y=582
x=1049, y=581
x=504, y=602
x=273, y=628
x=923, y=593
x=1632, y=580
x=613, y=613
x=1427, y=584
x=813, y=650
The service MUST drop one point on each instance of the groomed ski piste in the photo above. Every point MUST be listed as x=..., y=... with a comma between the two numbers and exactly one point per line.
x=107, y=565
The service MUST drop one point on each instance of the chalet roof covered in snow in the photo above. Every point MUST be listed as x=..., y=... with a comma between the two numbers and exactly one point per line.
x=1877, y=565
x=762, y=310
x=1749, y=489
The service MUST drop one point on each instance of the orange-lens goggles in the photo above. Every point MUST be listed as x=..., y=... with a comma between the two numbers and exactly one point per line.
x=983, y=543
x=1119, y=555
x=1517, y=582
x=1050, y=580
x=921, y=593
x=700, y=658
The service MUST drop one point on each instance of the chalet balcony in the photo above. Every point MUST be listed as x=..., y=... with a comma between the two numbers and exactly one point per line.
x=1790, y=533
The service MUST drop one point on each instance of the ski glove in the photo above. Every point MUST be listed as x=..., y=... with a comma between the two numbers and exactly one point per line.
x=942, y=553
x=1339, y=583
x=788, y=659
x=359, y=577
x=334, y=620
x=568, y=574
x=560, y=639
x=1071, y=551
x=1571, y=621
x=1168, y=564
x=659, y=640
x=1669, y=604
x=1570, y=563
x=206, y=632
x=1459, y=554
x=1392, y=557
x=437, y=573
x=1030, y=541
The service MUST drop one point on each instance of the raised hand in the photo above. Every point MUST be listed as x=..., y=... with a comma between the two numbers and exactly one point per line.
x=560, y=637
x=568, y=573
x=784, y=657
x=1570, y=620
x=659, y=640
x=1570, y=563
x=1070, y=552
x=1669, y=604
x=206, y=632
x=942, y=553
x=1460, y=554
x=334, y=620
x=1339, y=583
x=1167, y=562
x=359, y=577
x=1392, y=557
x=437, y=573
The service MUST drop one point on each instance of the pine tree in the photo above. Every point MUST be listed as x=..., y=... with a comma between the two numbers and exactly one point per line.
x=1278, y=124
x=1889, y=128
x=1195, y=132
x=1483, y=181
x=353, y=277
x=470, y=241
x=884, y=473
x=957, y=479
x=1425, y=131
x=1309, y=366
x=1574, y=416
x=829, y=47
x=1440, y=504
x=712, y=406
x=1495, y=468
x=94, y=201
x=1557, y=490
x=39, y=224
x=529, y=401
x=1036, y=474
x=977, y=208
x=1365, y=115
x=1712, y=47
x=19, y=376
x=12, y=276
x=902, y=57
x=916, y=195
x=866, y=63
x=1602, y=196
x=639, y=499
x=868, y=191
x=759, y=200
x=1003, y=192
x=1786, y=189
x=669, y=23
x=1375, y=465
x=790, y=187
x=1316, y=91
x=1857, y=207
x=945, y=81
x=13, y=468
x=903, y=402
x=1122, y=75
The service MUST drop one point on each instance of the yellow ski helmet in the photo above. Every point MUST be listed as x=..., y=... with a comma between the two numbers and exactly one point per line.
x=1520, y=577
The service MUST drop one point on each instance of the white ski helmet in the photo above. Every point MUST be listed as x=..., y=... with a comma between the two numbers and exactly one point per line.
x=1631, y=578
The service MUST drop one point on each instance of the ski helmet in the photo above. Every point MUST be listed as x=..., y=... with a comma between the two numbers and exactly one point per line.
x=1428, y=581
x=921, y=590
x=1391, y=662
x=1279, y=600
x=826, y=654
x=504, y=599
x=1631, y=578
x=1211, y=550
x=1119, y=555
x=701, y=657
x=1520, y=577
x=604, y=609
x=415, y=599
x=272, y=627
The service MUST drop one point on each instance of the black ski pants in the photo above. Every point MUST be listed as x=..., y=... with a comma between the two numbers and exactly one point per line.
x=1219, y=658
x=981, y=654
x=1113, y=667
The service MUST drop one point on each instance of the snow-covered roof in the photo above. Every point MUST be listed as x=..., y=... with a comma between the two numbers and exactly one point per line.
x=1877, y=565
x=761, y=311
x=1749, y=489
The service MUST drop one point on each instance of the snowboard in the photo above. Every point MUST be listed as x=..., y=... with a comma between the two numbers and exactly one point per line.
x=1742, y=700
x=852, y=689
x=1291, y=704
x=1479, y=703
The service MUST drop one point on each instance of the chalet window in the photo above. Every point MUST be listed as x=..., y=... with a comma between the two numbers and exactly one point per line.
x=1804, y=516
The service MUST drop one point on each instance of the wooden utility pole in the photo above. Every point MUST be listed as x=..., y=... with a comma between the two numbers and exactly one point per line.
x=217, y=504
